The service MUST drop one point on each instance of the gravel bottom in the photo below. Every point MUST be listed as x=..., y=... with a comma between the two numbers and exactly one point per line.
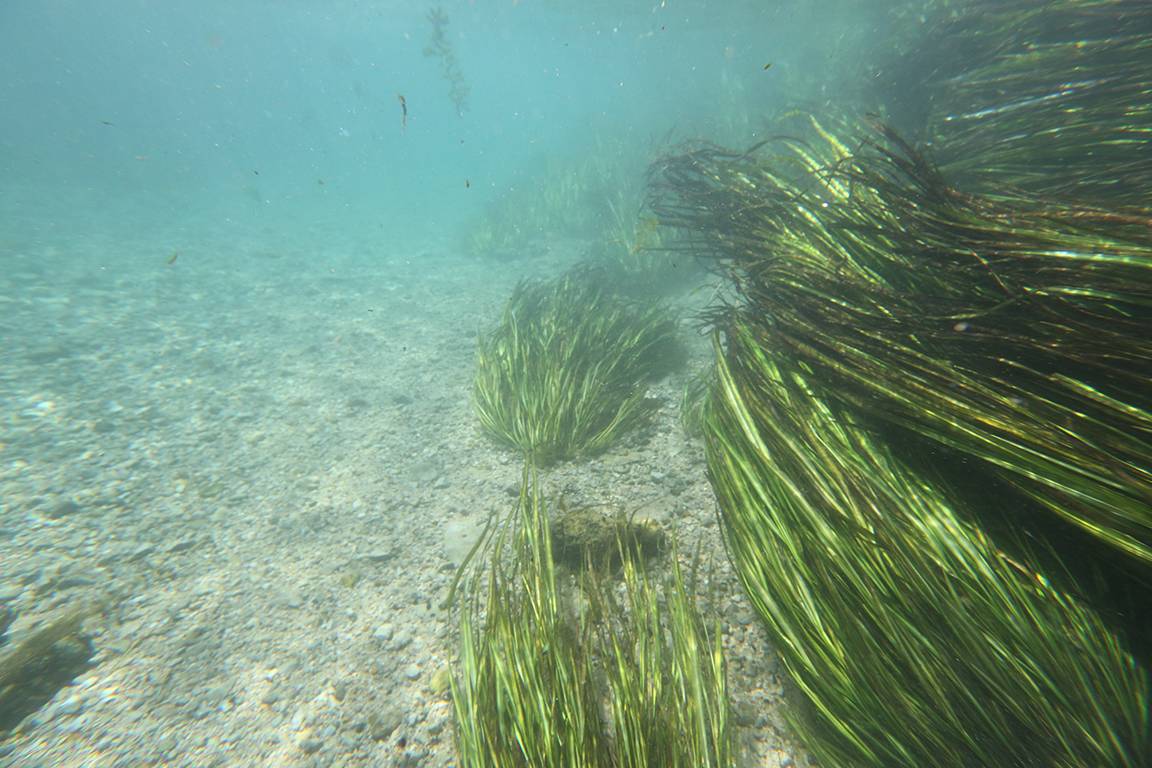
x=263, y=466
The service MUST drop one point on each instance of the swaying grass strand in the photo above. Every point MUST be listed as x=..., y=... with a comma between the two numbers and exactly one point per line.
x=523, y=693
x=621, y=683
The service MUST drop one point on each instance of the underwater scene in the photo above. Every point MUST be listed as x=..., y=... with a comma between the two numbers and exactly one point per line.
x=576, y=383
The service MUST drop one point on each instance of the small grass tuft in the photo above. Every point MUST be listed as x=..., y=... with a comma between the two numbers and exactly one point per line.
x=564, y=374
x=604, y=677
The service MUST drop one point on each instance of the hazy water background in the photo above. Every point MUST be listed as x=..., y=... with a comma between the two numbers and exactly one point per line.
x=180, y=121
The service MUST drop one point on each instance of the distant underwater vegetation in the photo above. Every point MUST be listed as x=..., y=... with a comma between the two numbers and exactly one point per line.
x=561, y=196
x=595, y=196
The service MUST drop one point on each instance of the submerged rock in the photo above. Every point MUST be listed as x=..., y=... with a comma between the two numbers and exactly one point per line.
x=585, y=535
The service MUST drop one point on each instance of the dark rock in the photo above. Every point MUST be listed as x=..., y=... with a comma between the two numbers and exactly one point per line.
x=310, y=745
x=180, y=546
x=62, y=508
x=356, y=405
x=141, y=551
x=382, y=724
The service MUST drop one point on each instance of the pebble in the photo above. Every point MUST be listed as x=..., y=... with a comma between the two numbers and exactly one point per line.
x=74, y=726
x=382, y=724
x=165, y=745
x=63, y=508
x=72, y=581
x=310, y=745
x=73, y=705
x=180, y=546
x=412, y=758
x=141, y=551
x=299, y=719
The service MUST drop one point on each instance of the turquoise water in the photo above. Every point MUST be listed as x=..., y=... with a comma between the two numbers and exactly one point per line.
x=278, y=114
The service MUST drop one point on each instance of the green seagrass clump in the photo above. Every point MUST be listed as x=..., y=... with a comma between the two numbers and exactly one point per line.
x=1010, y=329
x=665, y=669
x=1048, y=97
x=913, y=638
x=879, y=306
x=565, y=373
x=567, y=672
x=523, y=692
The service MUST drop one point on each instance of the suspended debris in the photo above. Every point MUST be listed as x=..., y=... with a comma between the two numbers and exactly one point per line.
x=440, y=48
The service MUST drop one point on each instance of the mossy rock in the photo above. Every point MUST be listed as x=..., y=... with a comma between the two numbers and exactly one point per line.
x=35, y=667
x=589, y=536
x=440, y=684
